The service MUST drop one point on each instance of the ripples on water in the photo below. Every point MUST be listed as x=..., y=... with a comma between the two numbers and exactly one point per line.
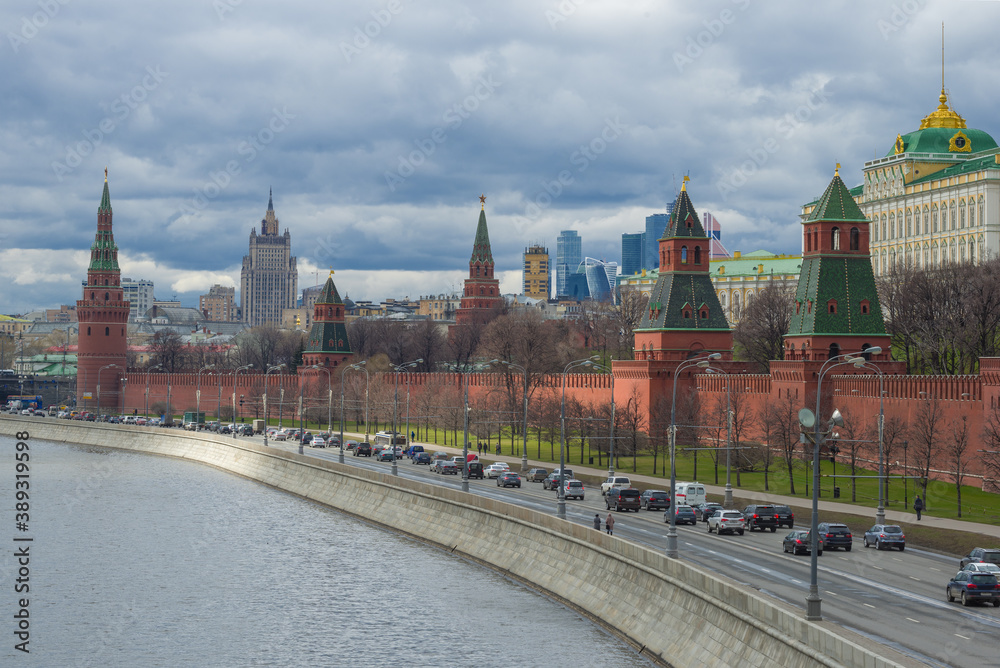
x=149, y=561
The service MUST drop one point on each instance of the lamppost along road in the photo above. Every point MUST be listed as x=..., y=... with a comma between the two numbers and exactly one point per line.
x=561, y=496
x=343, y=373
x=702, y=362
x=524, y=426
x=276, y=367
x=611, y=437
x=236, y=378
x=395, y=408
x=862, y=363
x=197, y=418
x=329, y=397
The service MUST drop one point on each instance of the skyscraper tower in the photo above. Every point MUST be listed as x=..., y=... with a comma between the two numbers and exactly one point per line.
x=569, y=254
x=536, y=272
x=269, y=281
x=481, y=299
x=103, y=317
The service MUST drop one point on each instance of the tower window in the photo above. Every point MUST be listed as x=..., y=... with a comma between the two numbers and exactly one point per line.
x=835, y=238
x=831, y=306
x=88, y=331
x=107, y=331
x=697, y=254
x=855, y=238
x=684, y=254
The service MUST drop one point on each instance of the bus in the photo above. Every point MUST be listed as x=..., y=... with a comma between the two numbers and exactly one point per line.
x=390, y=438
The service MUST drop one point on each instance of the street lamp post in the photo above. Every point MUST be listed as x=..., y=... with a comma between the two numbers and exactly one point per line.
x=342, y=375
x=395, y=409
x=524, y=426
x=727, y=500
x=197, y=417
x=611, y=437
x=862, y=363
x=236, y=379
x=906, y=474
x=702, y=362
x=811, y=420
x=561, y=496
x=329, y=398
x=269, y=370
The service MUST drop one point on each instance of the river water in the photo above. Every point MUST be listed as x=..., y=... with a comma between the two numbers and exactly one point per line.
x=139, y=560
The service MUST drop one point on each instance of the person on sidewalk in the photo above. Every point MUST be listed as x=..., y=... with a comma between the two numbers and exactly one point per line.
x=918, y=506
x=609, y=524
x=597, y=521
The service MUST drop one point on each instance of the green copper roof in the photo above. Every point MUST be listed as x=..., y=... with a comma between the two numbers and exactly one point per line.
x=748, y=264
x=837, y=204
x=680, y=293
x=847, y=280
x=328, y=337
x=964, y=167
x=939, y=140
x=105, y=200
x=329, y=295
x=684, y=221
x=481, y=247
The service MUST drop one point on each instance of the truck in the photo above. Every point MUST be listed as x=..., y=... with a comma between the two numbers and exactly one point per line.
x=192, y=416
x=689, y=493
x=259, y=426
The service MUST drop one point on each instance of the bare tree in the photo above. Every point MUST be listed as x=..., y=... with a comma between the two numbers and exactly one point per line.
x=167, y=350
x=743, y=420
x=926, y=432
x=785, y=432
x=958, y=454
x=991, y=441
x=759, y=335
x=632, y=423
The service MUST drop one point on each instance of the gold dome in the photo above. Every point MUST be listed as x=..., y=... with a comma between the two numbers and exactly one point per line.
x=943, y=117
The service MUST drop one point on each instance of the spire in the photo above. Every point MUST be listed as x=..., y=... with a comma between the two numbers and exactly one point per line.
x=329, y=295
x=943, y=117
x=105, y=206
x=837, y=204
x=270, y=201
x=481, y=247
x=684, y=221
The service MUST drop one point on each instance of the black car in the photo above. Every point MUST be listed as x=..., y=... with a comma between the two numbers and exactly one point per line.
x=475, y=470
x=970, y=587
x=363, y=450
x=422, y=458
x=761, y=517
x=623, y=498
x=708, y=509
x=981, y=554
x=834, y=534
x=800, y=542
x=509, y=479
x=786, y=518
x=655, y=499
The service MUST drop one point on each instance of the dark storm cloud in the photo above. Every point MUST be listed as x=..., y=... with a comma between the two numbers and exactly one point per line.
x=379, y=123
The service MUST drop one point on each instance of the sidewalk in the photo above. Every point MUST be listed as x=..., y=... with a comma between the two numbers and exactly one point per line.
x=766, y=497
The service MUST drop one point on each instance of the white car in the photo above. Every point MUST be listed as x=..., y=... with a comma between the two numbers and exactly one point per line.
x=723, y=521
x=281, y=436
x=983, y=567
x=614, y=481
x=318, y=442
x=494, y=470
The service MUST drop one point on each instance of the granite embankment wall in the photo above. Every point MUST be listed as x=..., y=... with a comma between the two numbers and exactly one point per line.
x=674, y=612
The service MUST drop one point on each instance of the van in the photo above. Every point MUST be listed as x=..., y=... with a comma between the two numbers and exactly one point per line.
x=690, y=493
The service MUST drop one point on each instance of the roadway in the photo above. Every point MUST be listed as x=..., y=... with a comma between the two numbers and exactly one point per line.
x=895, y=598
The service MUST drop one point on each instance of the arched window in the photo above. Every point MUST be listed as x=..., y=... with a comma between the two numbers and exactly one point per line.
x=972, y=251
x=961, y=252
x=954, y=258
x=92, y=297
x=982, y=220
x=885, y=235
x=684, y=254
x=961, y=215
x=934, y=217
x=874, y=229
x=835, y=238
x=88, y=331
x=722, y=300
x=926, y=227
x=107, y=331
x=899, y=222
x=736, y=305
x=834, y=351
x=972, y=213
x=909, y=223
x=855, y=239
x=697, y=254
x=892, y=225
x=107, y=296
x=952, y=216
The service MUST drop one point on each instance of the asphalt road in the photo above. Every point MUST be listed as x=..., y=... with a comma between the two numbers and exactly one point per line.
x=896, y=598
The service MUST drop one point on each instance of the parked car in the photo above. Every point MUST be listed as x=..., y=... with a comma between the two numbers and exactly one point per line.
x=970, y=587
x=834, y=535
x=623, y=498
x=421, y=458
x=363, y=450
x=536, y=475
x=475, y=470
x=727, y=521
x=655, y=499
x=885, y=536
x=981, y=554
x=759, y=516
x=615, y=481
x=685, y=515
x=509, y=479
x=708, y=509
x=983, y=567
x=573, y=489
x=786, y=518
x=800, y=542
x=495, y=470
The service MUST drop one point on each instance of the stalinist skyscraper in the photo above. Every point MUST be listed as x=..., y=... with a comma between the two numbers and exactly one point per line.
x=269, y=281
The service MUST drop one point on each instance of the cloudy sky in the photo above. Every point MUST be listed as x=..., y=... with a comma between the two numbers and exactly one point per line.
x=378, y=124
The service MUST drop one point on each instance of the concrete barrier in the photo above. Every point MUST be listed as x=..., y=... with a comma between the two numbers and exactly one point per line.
x=674, y=612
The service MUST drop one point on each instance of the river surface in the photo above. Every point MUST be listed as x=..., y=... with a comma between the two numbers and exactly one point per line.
x=139, y=560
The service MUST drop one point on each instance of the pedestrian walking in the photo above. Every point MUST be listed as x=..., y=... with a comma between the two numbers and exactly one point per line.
x=918, y=506
x=609, y=524
x=498, y=448
x=480, y=448
x=597, y=521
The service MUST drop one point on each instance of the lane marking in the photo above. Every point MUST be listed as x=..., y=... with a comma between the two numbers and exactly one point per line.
x=913, y=578
x=963, y=637
x=869, y=605
x=831, y=593
x=911, y=619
